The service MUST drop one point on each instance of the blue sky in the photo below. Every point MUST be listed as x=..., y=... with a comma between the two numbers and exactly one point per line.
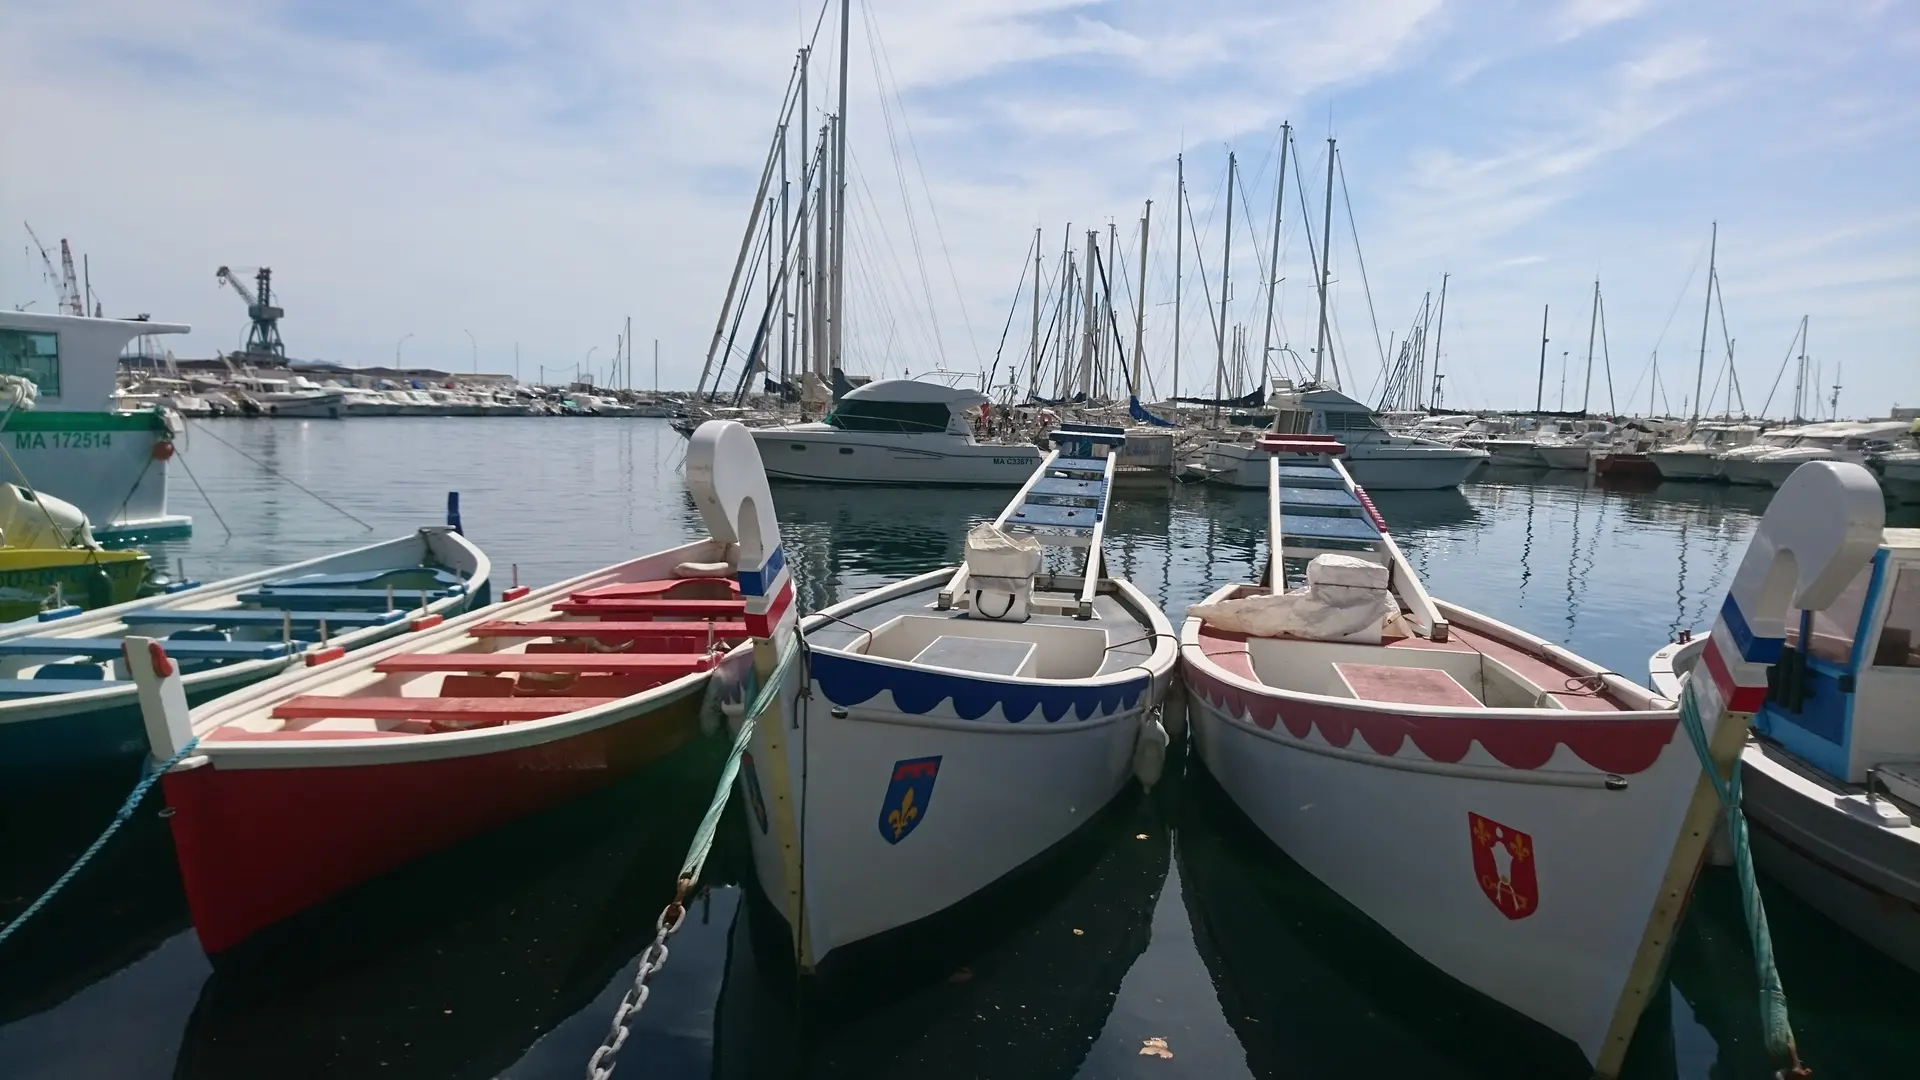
x=535, y=173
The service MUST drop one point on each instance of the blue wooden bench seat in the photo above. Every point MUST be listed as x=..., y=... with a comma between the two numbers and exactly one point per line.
x=13, y=689
x=321, y=599
x=109, y=648
x=239, y=617
x=1068, y=487
x=445, y=579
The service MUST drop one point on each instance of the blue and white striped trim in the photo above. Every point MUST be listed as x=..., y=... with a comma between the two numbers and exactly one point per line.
x=763, y=581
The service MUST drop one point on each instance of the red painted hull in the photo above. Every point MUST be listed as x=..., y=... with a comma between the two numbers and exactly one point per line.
x=259, y=845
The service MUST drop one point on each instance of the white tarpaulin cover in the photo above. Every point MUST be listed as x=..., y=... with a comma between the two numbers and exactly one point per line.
x=1322, y=611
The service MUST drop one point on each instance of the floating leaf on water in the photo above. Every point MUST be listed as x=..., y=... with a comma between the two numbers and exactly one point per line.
x=1077, y=932
x=1156, y=1047
x=1140, y=836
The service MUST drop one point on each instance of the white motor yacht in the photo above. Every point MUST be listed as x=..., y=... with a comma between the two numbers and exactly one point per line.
x=896, y=431
x=1699, y=457
x=1377, y=458
x=1735, y=465
x=1843, y=441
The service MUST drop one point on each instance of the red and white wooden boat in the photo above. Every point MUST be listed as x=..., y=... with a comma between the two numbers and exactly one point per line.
x=1524, y=820
x=307, y=784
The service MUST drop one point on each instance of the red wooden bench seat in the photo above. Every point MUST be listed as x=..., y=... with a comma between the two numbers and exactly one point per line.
x=609, y=630
x=491, y=710
x=698, y=609
x=655, y=665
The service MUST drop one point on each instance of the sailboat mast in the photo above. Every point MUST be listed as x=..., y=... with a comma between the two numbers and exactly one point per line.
x=1140, y=304
x=1273, y=257
x=1179, y=263
x=1540, y=383
x=1087, y=323
x=1033, y=372
x=1326, y=270
x=1800, y=375
x=786, y=271
x=1440, y=325
x=1226, y=260
x=1593, y=324
x=1700, y=372
x=840, y=202
x=822, y=269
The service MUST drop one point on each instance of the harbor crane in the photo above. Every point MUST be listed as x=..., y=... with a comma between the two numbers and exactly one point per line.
x=264, y=337
x=65, y=283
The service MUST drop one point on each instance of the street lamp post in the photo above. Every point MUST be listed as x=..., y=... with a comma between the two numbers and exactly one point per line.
x=476, y=350
x=588, y=364
x=396, y=349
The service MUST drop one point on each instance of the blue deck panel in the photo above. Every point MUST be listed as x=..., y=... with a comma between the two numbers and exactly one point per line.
x=1318, y=476
x=1083, y=465
x=1068, y=487
x=1318, y=498
x=1326, y=527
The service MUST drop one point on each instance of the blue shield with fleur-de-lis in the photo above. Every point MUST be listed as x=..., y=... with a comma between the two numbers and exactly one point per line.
x=909, y=795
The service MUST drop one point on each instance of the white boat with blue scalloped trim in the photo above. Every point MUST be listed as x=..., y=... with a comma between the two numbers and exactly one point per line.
x=1524, y=820
x=960, y=724
x=1832, y=775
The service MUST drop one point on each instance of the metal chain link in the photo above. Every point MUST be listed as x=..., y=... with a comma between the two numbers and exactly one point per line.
x=652, y=959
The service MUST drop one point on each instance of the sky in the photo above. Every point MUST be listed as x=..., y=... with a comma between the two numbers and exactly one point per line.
x=450, y=182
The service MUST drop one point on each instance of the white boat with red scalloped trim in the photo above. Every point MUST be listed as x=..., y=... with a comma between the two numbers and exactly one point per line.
x=303, y=786
x=1516, y=815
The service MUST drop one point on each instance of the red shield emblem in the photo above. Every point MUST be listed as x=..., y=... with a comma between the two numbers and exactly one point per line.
x=1503, y=864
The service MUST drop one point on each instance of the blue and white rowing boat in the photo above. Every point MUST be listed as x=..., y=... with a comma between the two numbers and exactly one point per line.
x=962, y=723
x=68, y=703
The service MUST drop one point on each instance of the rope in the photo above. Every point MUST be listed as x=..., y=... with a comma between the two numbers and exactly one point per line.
x=654, y=956
x=278, y=475
x=119, y=818
x=1778, y=1033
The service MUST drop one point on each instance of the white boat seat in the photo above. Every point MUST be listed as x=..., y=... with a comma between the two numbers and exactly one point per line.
x=985, y=656
x=1041, y=515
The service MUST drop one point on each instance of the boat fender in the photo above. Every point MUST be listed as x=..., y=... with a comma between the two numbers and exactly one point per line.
x=99, y=589
x=724, y=568
x=1150, y=752
x=163, y=450
x=1173, y=711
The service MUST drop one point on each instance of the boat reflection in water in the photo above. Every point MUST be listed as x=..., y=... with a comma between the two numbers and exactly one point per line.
x=1016, y=981
x=454, y=965
x=1312, y=988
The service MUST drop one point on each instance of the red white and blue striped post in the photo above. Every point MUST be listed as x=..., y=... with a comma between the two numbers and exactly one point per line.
x=768, y=592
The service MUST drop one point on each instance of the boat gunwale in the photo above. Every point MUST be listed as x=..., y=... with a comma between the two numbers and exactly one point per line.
x=1152, y=667
x=398, y=748
x=115, y=692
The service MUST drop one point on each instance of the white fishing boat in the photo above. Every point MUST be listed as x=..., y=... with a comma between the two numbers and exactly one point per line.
x=76, y=445
x=1698, y=458
x=1518, y=816
x=1831, y=777
x=1378, y=458
x=896, y=431
x=1736, y=466
x=297, y=789
x=1846, y=441
x=959, y=724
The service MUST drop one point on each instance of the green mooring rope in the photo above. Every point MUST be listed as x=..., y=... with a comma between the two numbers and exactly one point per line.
x=762, y=700
x=1777, y=1031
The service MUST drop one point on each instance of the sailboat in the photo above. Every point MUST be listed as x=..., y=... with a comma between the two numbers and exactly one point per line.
x=954, y=727
x=1525, y=820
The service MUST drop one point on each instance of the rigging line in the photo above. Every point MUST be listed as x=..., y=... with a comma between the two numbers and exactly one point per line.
x=890, y=248
x=1606, y=357
x=1340, y=167
x=1201, y=265
x=933, y=211
x=203, y=495
x=1682, y=295
x=1733, y=373
x=1784, y=361
x=271, y=471
x=1014, y=307
x=906, y=202
x=1306, y=226
x=873, y=298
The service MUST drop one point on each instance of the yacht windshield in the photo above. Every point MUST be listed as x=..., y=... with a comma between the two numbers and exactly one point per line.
x=910, y=417
x=1351, y=421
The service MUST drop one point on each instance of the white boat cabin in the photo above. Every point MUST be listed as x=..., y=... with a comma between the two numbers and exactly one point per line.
x=907, y=407
x=72, y=360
